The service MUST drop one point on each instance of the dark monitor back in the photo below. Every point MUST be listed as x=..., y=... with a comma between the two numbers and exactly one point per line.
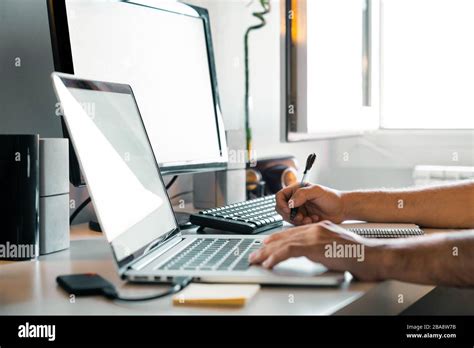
x=28, y=103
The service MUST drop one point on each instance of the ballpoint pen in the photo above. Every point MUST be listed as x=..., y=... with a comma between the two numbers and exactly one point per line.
x=309, y=164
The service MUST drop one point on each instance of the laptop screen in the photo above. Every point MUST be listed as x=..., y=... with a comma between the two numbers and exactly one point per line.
x=118, y=163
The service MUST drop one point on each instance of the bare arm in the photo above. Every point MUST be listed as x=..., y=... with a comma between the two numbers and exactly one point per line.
x=445, y=258
x=441, y=259
x=447, y=206
x=438, y=259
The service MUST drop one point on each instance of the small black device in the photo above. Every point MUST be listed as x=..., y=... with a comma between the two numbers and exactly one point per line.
x=90, y=284
x=248, y=217
x=19, y=202
x=85, y=284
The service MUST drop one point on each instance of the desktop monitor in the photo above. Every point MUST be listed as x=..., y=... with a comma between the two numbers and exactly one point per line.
x=163, y=49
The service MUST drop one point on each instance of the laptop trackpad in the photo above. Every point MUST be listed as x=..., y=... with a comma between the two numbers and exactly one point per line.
x=300, y=267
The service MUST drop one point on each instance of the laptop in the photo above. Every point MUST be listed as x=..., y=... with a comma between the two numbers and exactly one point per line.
x=132, y=205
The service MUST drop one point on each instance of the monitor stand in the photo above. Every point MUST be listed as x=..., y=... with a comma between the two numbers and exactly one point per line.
x=183, y=220
x=95, y=226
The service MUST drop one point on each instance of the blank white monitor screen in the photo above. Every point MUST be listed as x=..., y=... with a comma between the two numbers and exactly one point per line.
x=163, y=56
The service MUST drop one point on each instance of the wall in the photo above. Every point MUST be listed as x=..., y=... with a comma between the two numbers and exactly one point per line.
x=378, y=159
x=230, y=20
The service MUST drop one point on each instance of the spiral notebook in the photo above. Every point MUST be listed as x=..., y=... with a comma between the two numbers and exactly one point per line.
x=384, y=230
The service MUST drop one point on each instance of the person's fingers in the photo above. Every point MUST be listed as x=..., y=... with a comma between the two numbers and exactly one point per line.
x=304, y=217
x=283, y=252
x=329, y=225
x=305, y=194
x=298, y=243
x=291, y=243
x=263, y=253
x=282, y=198
x=291, y=232
x=283, y=210
x=285, y=216
x=294, y=235
x=300, y=215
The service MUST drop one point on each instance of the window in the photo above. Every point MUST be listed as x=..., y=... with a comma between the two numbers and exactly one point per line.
x=427, y=64
x=334, y=72
x=354, y=65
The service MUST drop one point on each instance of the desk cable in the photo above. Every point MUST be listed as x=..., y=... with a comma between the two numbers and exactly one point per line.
x=179, y=283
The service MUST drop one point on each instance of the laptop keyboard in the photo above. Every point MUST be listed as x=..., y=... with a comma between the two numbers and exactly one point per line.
x=206, y=254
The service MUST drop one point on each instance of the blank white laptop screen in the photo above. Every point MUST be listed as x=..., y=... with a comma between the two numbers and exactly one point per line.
x=118, y=163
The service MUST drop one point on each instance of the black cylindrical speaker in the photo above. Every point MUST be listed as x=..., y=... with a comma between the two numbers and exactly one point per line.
x=19, y=199
x=279, y=176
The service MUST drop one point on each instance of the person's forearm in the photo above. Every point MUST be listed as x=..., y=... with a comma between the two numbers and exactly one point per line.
x=449, y=206
x=438, y=259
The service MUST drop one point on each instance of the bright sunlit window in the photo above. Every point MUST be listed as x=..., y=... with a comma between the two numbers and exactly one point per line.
x=334, y=37
x=427, y=64
x=391, y=64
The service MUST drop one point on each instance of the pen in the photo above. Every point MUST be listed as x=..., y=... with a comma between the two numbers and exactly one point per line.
x=309, y=164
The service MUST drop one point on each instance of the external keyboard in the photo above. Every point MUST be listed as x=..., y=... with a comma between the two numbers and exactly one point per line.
x=211, y=254
x=252, y=216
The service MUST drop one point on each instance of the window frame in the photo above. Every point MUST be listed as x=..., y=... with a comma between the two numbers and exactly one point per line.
x=294, y=126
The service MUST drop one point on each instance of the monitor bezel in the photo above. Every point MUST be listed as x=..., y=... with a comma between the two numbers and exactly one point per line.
x=63, y=62
x=71, y=81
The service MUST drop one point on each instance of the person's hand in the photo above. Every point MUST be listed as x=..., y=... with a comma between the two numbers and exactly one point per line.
x=326, y=243
x=314, y=202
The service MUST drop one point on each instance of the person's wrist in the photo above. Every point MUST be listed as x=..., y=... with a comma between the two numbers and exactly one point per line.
x=387, y=261
x=346, y=199
x=377, y=263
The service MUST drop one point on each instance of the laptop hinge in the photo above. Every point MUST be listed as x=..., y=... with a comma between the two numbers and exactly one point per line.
x=155, y=253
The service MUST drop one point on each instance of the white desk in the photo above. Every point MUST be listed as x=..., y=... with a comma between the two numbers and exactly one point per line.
x=29, y=288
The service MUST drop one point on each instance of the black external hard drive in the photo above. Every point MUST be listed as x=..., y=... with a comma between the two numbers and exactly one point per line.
x=84, y=284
